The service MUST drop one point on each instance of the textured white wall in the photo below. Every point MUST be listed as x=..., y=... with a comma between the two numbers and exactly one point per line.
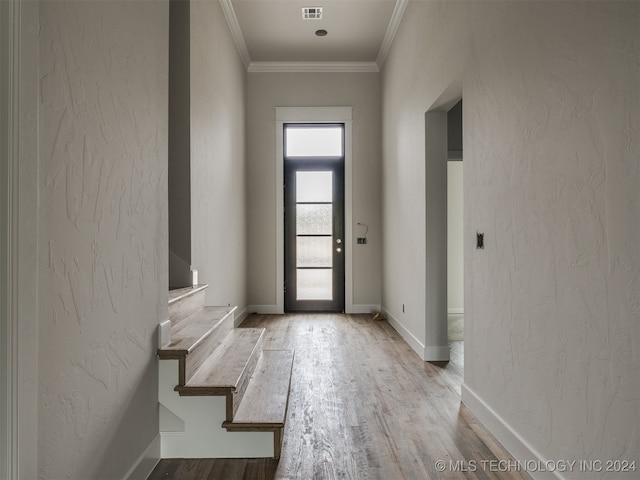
x=269, y=90
x=102, y=233
x=411, y=84
x=552, y=178
x=218, y=229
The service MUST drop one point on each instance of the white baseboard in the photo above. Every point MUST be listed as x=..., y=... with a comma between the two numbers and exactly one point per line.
x=517, y=446
x=362, y=308
x=274, y=310
x=240, y=316
x=437, y=353
x=264, y=309
x=455, y=311
x=146, y=462
x=416, y=345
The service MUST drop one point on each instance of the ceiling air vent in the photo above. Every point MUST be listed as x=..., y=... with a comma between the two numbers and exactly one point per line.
x=312, y=13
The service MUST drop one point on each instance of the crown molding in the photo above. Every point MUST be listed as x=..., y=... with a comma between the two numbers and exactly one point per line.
x=236, y=33
x=392, y=29
x=313, y=67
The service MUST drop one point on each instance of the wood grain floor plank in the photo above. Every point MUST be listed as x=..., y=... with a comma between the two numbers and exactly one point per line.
x=166, y=469
x=228, y=468
x=363, y=405
x=260, y=469
x=193, y=469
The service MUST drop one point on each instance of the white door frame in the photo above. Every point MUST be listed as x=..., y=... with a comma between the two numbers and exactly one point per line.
x=342, y=115
x=19, y=59
x=436, y=347
x=5, y=360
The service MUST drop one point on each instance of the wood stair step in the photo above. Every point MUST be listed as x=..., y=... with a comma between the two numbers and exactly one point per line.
x=216, y=359
x=195, y=338
x=228, y=369
x=265, y=401
x=187, y=335
x=183, y=302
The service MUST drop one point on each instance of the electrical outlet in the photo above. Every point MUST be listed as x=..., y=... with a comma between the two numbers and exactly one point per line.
x=362, y=240
x=479, y=240
x=403, y=308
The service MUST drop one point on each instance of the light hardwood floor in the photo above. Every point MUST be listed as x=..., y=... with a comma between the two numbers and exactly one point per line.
x=363, y=406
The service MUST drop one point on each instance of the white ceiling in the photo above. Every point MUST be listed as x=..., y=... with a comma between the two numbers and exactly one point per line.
x=273, y=32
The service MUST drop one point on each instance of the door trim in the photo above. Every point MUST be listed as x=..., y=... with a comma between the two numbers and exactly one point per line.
x=20, y=21
x=342, y=115
x=6, y=363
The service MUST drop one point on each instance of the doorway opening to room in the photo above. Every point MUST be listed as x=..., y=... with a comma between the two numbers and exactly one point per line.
x=314, y=224
x=455, y=251
x=444, y=255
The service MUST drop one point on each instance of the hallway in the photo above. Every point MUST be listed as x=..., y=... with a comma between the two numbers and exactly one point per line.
x=362, y=405
x=92, y=178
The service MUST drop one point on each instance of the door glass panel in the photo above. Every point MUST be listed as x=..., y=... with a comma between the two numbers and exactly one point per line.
x=314, y=252
x=313, y=142
x=315, y=284
x=314, y=186
x=314, y=219
x=314, y=194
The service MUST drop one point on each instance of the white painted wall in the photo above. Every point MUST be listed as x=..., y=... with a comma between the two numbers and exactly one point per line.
x=218, y=228
x=102, y=234
x=269, y=90
x=552, y=178
x=455, y=251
